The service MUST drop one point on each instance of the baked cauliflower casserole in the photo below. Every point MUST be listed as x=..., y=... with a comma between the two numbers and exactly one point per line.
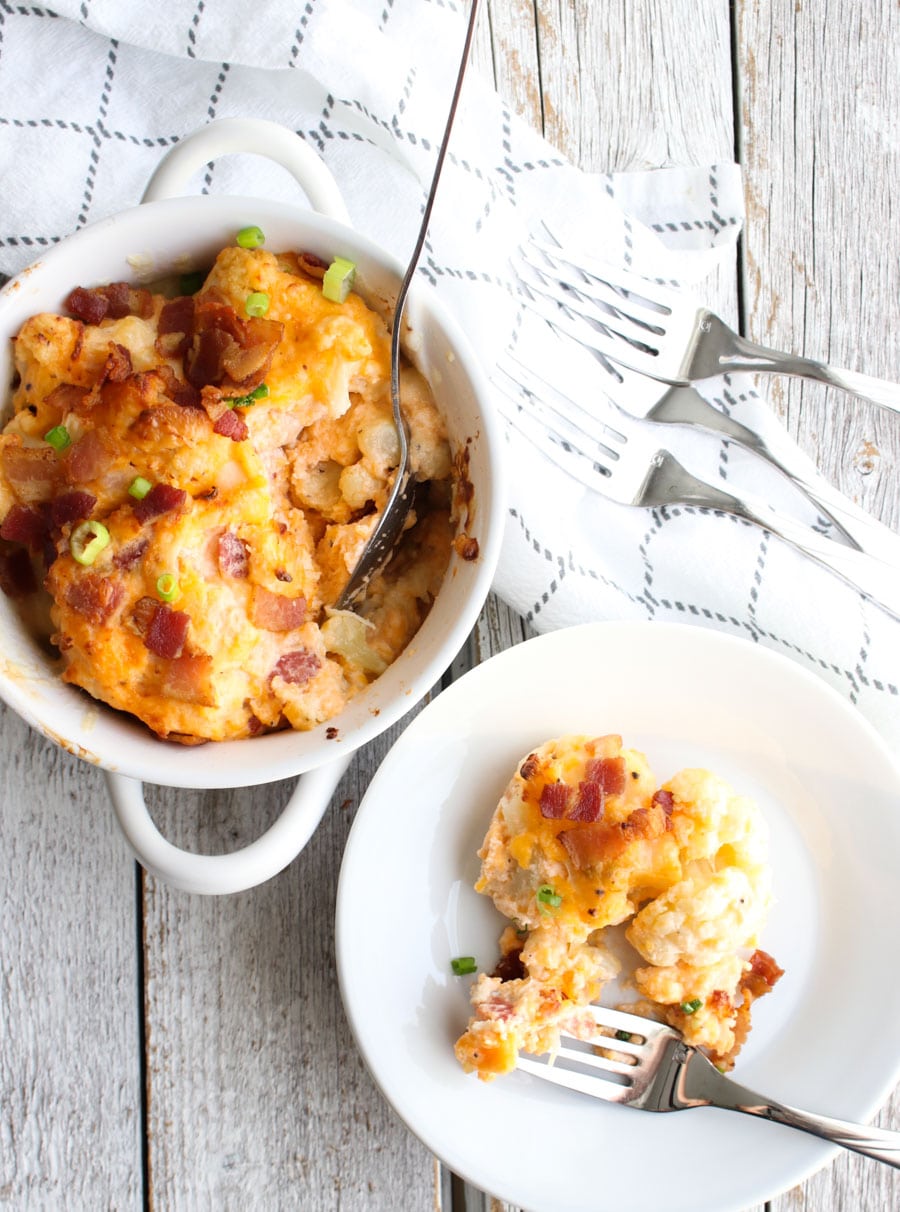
x=191, y=477
x=583, y=841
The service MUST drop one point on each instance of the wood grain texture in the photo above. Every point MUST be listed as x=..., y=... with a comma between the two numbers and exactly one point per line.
x=257, y=1096
x=819, y=104
x=70, y=1090
x=820, y=137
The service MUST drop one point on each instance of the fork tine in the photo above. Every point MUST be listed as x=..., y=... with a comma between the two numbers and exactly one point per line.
x=542, y=398
x=570, y=287
x=653, y=294
x=572, y=1079
x=570, y=459
x=622, y=1020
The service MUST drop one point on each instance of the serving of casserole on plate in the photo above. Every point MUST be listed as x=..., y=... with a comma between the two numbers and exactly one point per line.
x=687, y=698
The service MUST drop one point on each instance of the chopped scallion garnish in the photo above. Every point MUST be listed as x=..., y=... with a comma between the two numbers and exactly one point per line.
x=258, y=393
x=58, y=437
x=692, y=1006
x=87, y=540
x=338, y=279
x=167, y=587
x=463, y=965
x=624, y=1036
x=139, y=487
x=251, y=237
x=547, y=895
x=257, y=303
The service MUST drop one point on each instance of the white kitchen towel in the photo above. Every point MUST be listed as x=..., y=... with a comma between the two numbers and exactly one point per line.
x=96, y=91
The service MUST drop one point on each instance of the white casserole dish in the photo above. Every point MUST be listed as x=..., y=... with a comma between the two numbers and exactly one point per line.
x=174, y=234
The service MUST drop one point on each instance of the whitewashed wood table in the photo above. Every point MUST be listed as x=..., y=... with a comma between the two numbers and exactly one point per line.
x=168, y=1051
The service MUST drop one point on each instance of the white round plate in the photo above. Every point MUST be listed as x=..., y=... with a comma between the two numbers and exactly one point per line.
x=826, y=1039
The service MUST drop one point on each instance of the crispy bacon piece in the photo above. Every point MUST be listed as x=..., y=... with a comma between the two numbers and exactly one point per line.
x=118, y=364
x=85, y=459
x=162, y=498
x=186, y=678
x=32, y=471
x=763, y=975
x=89, y=306
x=554, y=800
x=608, y=773
x=67, y=397
x=589, y=804
x=664, y=799
x=233, y=556
x=204, y=361
x=127, y=557
x=588, y=845
x=231, y=425
x=17, y=579
x=510, y=967
x=248, y=364
x=71, y=507
x=530, y=767
x=176, y=327
x=275, y=612
x=118, y=299
x=298, y=667
x=95, y=596
x=226, y=347
x=176, y=389
x=167, y=631
x=142, y=613
x=25, y=525
x=312, y=265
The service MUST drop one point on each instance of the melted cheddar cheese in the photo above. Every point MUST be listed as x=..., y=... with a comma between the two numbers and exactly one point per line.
x=274, y=444
x=583, y=841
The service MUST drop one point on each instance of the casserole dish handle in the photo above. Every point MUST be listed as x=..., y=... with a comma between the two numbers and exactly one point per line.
x=218, y=874
x=255, y=136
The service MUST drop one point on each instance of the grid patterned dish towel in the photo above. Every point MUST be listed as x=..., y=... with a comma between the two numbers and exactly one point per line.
x=96, y=91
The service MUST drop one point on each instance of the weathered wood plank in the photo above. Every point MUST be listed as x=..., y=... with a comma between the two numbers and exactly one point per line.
x=821, y=146
x=70, y=1088
x=820, y=95
x=257, y=1094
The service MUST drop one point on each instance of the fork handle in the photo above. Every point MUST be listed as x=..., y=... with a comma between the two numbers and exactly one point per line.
x=875, y=578
x=700, y=1084
x=878, y=1143
x=762, y=360
x=685, y=406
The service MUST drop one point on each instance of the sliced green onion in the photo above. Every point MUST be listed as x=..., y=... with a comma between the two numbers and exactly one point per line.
x=258, y=393
x=548, y=896
x=87, y=540
x=692, y=1006
x=251, y=237
x=167, y=587
x=463, y=965
x=338, y=279
x=189, y=284
x=58, y=437
x=139, y=487
x=624, y=1036
x=257, y=303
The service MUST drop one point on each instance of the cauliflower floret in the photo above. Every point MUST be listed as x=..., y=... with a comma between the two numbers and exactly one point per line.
x=700, y=920
x=713, y=822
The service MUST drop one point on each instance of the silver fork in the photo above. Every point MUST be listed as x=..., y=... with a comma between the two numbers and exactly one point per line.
x=621, y=458
x=573, y=316
x=664, y=334
x=660, y=1072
